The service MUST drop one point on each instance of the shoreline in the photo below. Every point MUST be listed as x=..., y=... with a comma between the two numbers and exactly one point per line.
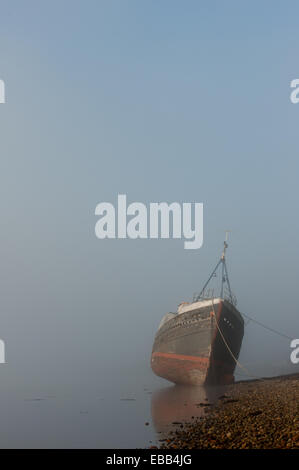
x=261, y=413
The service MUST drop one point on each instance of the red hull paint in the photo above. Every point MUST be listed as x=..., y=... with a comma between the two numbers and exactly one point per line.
x=180, y=368
x=184, y=369
x=186, y=353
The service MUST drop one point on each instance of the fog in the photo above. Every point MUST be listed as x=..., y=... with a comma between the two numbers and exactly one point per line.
x=161, y=103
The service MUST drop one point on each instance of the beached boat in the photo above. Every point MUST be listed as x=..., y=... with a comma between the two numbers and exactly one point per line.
x=201, y=342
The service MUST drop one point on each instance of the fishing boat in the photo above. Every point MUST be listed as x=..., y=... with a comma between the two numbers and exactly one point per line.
x=201, y=342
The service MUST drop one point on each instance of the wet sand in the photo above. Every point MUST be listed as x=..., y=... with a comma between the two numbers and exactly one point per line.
x=256, y=414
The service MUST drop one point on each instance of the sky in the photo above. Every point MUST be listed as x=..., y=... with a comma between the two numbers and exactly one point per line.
x=161, y=101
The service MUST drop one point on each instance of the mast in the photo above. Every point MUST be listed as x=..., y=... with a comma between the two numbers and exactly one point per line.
x=224, y=274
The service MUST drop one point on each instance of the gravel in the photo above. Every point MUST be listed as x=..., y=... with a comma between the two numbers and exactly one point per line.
x=258, y=414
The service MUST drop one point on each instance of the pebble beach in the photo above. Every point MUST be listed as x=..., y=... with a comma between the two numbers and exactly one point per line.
x=256, y=414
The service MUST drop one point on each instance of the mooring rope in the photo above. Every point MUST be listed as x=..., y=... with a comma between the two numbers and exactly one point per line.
x=230, y=351
x=267, y=327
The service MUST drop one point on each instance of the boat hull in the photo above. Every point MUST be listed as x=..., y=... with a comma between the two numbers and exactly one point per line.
x=199, y=346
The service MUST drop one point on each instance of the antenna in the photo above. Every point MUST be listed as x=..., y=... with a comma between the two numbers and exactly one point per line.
x=224, y=273
x=225, y=244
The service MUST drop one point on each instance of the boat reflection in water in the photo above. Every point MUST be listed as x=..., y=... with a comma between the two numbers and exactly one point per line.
x=177, y=404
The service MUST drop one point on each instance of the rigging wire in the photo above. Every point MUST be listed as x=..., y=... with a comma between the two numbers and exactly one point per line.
x=225, y=278
x=267, y=327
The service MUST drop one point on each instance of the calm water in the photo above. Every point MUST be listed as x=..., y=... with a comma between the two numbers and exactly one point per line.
x=100, y=410
x=106, y=413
